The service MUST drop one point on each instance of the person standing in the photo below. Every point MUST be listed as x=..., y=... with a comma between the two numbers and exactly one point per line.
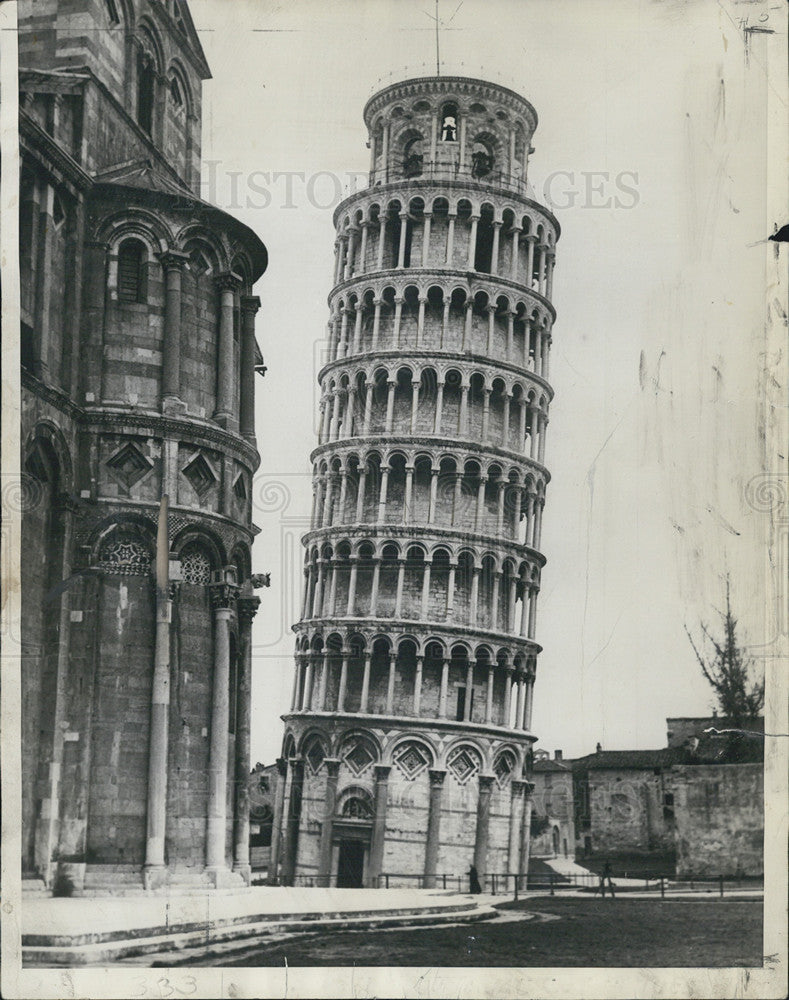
x=605, y=876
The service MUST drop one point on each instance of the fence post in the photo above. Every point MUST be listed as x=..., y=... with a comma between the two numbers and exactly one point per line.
x=444, y=877
x=515, y=877
x=551, y=880
x=662, y=888
x=720, y=877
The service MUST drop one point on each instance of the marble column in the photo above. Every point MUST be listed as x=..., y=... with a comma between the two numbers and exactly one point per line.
x=365, y=683
x=509, y=670
x=343, y=681
x=418, y=686
x=528, y=802
x=276, y=826
x=494, y=257
x=472, y=242
x=293, y=820
x=489, y=696
x=439, y=408
x=390, y=686
x=425, y=603
x=442, y=703
x=173, y=264
x=433, y=826
x=516, y=821
x=332, y=766
x=403, y=234
x=222, y=598
x=247, y=607
x=158, y=738
x=227, y=283
x=483, y=824
x=379, y=823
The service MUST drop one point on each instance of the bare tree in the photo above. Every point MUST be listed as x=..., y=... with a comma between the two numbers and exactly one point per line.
x=729, y=670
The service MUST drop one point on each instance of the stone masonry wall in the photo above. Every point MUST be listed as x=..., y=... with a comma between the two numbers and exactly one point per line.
x=627, y=811
x=719, y=813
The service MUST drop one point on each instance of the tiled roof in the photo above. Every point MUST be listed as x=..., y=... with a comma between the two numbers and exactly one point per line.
x=635, y=759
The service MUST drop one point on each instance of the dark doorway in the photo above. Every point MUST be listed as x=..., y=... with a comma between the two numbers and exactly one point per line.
x=350, y=869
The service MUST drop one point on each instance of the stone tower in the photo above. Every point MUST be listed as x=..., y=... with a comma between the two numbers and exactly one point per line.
x=138, y=363
x=408, y=742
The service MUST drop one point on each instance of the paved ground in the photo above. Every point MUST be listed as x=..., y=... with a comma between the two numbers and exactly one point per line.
x=561, y=932
x=45, y=915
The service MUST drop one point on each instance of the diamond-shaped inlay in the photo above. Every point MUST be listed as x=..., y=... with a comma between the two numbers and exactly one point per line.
x=358, y=757
x=314, y=754
x=503, y=768
x=240, y=489
x=129, y=465
x=411, y=760
x=463, y=763
x=200, y=475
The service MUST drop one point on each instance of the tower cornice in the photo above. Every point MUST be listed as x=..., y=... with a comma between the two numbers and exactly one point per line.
x=401, y=628
x=462, y=361
x=458, y=87
x=415, y=186
x=397, y=442
x=425, y=532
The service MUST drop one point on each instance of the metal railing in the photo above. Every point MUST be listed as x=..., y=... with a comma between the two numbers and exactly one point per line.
x=512, y=885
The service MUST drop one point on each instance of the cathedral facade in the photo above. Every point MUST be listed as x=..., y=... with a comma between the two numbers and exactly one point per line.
x=138, y=359
x=407, y=750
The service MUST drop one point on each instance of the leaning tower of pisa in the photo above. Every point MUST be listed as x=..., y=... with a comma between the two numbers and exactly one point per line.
x=406, y=752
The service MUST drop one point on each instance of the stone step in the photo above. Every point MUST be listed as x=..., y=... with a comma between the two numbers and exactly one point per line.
x=127, y=880
x=34, y=887
x=113, y=878
x=52, y=951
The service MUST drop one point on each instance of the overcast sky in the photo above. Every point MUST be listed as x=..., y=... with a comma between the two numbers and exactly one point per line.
x=651, y=149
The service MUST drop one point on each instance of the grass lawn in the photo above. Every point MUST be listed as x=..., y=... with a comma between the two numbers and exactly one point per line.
x=589, y=932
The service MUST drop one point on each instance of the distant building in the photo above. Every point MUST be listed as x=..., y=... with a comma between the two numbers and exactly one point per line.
x=264, y=781
x=696, y=804
x=553, y=808
x=623, y=801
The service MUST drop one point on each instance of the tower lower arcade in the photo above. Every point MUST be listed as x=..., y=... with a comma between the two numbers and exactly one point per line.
x=407, y=749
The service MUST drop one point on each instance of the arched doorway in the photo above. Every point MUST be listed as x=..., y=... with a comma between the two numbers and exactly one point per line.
x=352, y=834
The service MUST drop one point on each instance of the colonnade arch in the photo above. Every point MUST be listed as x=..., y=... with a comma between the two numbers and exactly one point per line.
x=473, y=493
x=422, y=398
x=447, y=229
x=429, y=677
x=393, y=578
x=487, y=318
